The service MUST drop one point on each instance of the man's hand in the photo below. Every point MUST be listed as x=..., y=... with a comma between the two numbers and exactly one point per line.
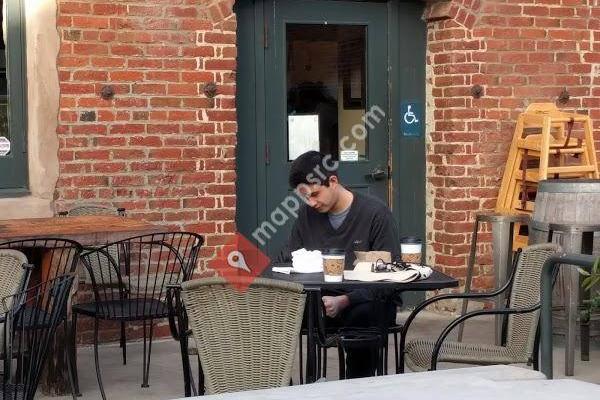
x=335, y=304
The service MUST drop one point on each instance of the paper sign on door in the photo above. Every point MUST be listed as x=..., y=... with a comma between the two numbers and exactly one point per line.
x=303, y=134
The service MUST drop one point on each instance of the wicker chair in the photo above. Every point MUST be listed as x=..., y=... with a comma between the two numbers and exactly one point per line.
x=13, y=273
x=94, y=209
x=246, y=340
x=133, y=285
x=521, y=327
x=13, y=279
x=31, y=320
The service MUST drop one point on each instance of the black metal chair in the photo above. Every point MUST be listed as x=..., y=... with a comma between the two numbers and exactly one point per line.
x=129, y=279
x=30, y=322
x=180, y=331
x=51, y=258
x=520, y=344
x=344, y=338
x=85, y=209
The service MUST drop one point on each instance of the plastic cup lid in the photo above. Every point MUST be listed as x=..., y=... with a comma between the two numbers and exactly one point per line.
x=411, y=240
x=333, y=252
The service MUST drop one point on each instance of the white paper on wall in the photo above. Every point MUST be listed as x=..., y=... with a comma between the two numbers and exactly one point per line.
x=303, y=134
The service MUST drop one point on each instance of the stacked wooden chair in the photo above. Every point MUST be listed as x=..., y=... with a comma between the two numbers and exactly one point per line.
x=547, y=144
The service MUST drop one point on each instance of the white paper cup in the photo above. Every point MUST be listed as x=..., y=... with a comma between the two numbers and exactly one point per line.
x=333, y=267
x=411, y=250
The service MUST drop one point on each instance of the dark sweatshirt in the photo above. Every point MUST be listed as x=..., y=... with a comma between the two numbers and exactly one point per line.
x=368, y=226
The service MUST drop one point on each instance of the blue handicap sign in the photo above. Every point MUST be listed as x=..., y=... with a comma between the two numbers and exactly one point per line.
x=411, y=118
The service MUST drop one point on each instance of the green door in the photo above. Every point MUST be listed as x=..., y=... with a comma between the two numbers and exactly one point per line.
x=326, y=88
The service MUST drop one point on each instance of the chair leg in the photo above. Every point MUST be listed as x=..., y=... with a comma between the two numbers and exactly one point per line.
x=124, y=342
x=69, y=356
x=396, y=355
x=200, y=379
x=96, y=360
x=385, y=355
x=185, y=363
x=341, y=362
x=318, y=361
x=324, y=374
x=73, y=355
x=147, y=353
x=382, y=357
x=300, y=360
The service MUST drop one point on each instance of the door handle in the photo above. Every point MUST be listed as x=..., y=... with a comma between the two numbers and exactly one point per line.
x=377, y=174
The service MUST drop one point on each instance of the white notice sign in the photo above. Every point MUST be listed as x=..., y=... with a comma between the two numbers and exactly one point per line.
x=4, y=146
x=303, y=134
x=349, y=155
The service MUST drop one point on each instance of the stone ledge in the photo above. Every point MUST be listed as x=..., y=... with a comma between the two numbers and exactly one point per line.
x=438, y=11
x=25, y=207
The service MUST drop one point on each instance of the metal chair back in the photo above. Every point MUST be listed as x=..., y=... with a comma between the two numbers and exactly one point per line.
x=96, y=209
x=130, y=277
x=30, y=324
x=53, y=257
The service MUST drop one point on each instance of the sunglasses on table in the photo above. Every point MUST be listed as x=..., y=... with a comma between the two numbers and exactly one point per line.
x=394, y=266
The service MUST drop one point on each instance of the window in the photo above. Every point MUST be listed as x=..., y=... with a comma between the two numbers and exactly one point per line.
x=13, y=99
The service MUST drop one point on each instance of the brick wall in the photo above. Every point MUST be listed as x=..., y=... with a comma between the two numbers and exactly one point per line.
x=520, y=52
x=160, y=147
x=165, y=150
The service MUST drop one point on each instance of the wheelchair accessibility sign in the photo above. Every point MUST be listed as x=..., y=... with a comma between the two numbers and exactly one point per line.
x=411, y=117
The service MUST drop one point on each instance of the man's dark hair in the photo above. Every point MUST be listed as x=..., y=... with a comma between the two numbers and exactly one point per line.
x=310, y=168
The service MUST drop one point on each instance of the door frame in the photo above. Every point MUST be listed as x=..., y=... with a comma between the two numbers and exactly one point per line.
x=406, y=83
x=371, y=19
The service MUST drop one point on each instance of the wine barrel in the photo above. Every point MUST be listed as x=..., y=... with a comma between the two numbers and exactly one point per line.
x=574, y=204
x=563, y=201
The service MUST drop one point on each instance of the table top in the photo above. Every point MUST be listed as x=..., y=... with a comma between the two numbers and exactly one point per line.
x=493, y=383
x=87, y=230
x=437, y=280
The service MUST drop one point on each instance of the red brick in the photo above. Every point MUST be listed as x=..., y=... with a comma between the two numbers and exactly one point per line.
x=127, y=180
x=180, y=166
x=109, y=62
x=126, y=75
x=109, y=167
x=126, y=128
x=109, y=9
x=89, y=22
x=74, y=8
x=128, y=154
x=186, y=89
x=92, y=155
x=149, y=88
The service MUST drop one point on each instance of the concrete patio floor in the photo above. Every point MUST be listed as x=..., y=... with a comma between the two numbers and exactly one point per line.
x=166, y=380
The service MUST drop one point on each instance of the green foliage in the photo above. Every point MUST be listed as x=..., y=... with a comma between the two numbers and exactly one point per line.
x=591, y=279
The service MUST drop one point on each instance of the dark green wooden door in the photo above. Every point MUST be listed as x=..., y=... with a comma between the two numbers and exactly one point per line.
x=326, y=88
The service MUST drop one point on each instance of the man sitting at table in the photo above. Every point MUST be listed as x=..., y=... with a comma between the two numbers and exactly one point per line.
x=336, y=217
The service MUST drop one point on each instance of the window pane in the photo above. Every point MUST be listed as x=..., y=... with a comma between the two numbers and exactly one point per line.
x=326, y=89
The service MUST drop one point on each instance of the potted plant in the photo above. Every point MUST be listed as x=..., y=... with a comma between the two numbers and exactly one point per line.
x=592, y=278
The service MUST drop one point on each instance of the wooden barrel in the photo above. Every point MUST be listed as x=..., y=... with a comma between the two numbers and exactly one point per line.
x=564, y=201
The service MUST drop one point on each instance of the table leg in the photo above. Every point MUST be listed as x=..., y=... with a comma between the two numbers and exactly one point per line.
x=584, y=327
x=502, y=242
x=571, y=242
x=311, y=351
